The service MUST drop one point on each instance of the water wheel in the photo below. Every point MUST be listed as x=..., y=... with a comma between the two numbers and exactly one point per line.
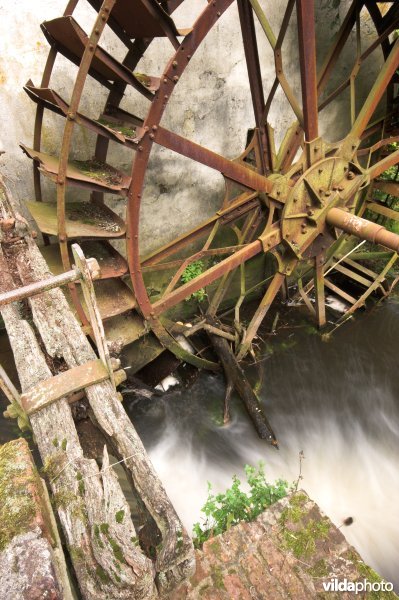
x=298, y=203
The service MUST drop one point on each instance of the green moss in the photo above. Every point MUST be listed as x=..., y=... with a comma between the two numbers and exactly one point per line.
x=368, y=573
x=76, y=554
x=135, y=541
x=102, y=574
x=298, y=499
x=216, y=549
x=217, y=578
x=64, y=444
x=302, y=541
x=119, y=516
x=63, y=498
x=116, y=549
x=55, y=442
x=203, y=589
x=95, y=169
x=125, y=130
x=104, y=528
x=53, y=465
x=81, y=484
x=179, y=536
x=319, y=569
x=117, y=565
x=17, y=506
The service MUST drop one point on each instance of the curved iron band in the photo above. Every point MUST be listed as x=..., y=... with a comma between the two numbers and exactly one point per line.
x=171, y=75
x=133, y=56
x=37, y=136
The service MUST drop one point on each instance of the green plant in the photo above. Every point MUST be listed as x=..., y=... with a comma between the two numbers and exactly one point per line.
x=229, y=508
x=191, y=272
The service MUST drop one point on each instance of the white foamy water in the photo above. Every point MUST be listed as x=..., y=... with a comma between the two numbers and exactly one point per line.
x=336, y=401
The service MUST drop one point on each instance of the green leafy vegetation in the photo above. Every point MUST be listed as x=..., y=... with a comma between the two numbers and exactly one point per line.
x=224, y=510
x=191, y=272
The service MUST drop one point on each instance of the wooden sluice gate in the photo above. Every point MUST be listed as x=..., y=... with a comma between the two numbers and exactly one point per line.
x=112, y=554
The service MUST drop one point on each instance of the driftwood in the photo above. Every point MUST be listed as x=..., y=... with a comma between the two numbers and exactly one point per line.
x=235, y=377
x=104, y=544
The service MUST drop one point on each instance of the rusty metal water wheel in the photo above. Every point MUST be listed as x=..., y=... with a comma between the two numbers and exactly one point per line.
x=297, y=203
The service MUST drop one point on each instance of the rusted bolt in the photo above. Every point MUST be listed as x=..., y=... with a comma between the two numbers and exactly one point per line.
x=71, y=116
x=146, y=128
x=334, y=187
x=287, y=235
x=188, y=56
x=175, y=79
x=97, y=31
x=175, y=64
x=340, y=188
x=154, y=127
x=34, y=234
x=218, y=13
x=152, y=136
x=165, y=80
x=327, y=193
x=91, y=47
x=166, y=97
x=310, y=213
x=103, y=17
x=304, y=231
x=60, y=182
x=351, y=175
x=140, y=148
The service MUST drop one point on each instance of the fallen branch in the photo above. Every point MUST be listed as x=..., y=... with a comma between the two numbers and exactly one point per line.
x=236, y=377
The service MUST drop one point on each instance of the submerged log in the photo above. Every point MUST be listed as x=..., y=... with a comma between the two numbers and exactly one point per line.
x=103, y=541
x=236, y=377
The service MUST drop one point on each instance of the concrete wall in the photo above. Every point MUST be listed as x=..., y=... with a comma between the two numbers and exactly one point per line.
x=211, y=104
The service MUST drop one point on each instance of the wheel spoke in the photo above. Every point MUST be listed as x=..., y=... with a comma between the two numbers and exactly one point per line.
x=377, y=91
x=384, y=164
x=260, y=314
x=319, y=289
x=228, y=168
x=307, y=58
x=255, y=77
x=229, y=214
x=276, y=45
x=338, y=45
x=208, y=277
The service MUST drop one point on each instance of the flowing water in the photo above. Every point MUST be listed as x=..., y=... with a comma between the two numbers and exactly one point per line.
x=338, y=401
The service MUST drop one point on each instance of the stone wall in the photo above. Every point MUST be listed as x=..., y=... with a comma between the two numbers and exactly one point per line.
x=211, y=104
x=287, y=552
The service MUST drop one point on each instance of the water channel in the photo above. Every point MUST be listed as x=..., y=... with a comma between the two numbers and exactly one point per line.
x=338, y=401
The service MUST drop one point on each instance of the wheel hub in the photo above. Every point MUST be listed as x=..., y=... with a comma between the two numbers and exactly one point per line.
x=330, y=183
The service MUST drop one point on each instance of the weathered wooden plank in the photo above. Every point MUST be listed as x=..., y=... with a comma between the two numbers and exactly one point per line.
x=63, y=339
x=106, y=562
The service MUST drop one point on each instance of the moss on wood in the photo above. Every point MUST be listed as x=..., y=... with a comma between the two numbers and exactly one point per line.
x=17, y=505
